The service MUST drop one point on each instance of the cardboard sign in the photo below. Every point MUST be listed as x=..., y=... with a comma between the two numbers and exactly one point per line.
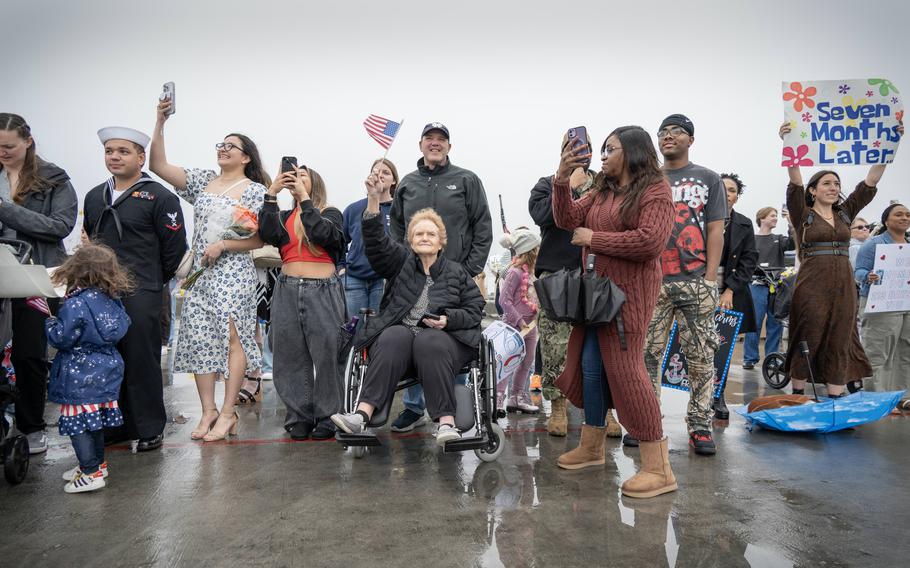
x=892, y=291
x=674, y=371
x=849, y=122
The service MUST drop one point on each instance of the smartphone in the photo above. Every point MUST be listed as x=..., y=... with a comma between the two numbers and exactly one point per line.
x=578, y=137
x=168, y=92
x=428, y=315
x=288, y=163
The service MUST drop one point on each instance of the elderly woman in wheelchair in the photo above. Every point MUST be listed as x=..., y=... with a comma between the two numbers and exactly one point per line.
x=428, y=324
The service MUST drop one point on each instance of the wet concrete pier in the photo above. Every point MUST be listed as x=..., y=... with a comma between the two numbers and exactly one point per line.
x=765, y=499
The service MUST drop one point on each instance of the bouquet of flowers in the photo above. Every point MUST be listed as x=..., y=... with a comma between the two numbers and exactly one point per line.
x=232, y=224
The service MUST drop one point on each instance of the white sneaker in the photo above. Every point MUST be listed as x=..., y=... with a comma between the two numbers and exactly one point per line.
x=446, y=432
x=71, y=474
x=83, y=483
x=266, y=376
x=37, y=442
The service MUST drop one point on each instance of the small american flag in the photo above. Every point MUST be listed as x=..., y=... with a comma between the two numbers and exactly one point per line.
x=38, y=303
x=381, y=129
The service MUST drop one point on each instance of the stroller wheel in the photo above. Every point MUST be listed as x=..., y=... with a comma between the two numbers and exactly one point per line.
x=494, y=448
x=772, y=371
x=358, y=451
x=15, y=459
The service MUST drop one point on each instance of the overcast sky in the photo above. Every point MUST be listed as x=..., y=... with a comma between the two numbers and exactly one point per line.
x=507, y=78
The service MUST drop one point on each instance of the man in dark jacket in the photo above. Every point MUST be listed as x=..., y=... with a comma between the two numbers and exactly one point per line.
x=142, y=221
x=457, y=195
x=739, y=260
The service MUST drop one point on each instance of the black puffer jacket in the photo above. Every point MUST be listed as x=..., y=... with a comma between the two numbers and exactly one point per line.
x=45, y=217
x=453, y=293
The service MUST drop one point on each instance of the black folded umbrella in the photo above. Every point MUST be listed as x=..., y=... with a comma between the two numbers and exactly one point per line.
x=560, y=295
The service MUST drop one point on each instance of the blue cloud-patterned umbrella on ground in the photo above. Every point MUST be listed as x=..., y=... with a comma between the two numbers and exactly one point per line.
x=827, y=415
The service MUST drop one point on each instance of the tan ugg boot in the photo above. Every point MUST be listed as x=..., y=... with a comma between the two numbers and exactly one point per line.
x=590, y=450
x=655, y=476
x=558, y=423
x=614, y=430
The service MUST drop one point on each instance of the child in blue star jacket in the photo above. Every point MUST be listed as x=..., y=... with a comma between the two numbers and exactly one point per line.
x=87, y=370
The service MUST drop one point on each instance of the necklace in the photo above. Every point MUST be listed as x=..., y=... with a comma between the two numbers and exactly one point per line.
x=820, y=214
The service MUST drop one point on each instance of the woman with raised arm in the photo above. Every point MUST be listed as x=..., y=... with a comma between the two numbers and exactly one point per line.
x=823, y=308
x=217, y=331
x=308, y=303
x=624, y=221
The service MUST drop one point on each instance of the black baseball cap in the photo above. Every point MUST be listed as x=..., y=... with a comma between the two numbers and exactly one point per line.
x=435, y=126
x=679, y=120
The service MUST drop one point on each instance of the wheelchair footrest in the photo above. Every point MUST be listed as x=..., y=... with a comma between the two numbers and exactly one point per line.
x=357, y=439
x=463, y=444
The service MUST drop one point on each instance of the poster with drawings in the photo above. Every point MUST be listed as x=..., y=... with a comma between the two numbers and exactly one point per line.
x=674, y=372
x=891, y=293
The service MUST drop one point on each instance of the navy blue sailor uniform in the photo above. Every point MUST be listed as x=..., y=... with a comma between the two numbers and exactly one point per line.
x=144, y=226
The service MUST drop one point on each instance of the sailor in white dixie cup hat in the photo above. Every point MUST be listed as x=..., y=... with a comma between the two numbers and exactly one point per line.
x=142, y=221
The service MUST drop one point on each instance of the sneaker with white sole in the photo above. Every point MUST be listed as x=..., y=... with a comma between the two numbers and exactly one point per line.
x=71, y=474
x=352, y=423
x=37, y=442
x=445, y=433
x=83, y=483
x=408, y=420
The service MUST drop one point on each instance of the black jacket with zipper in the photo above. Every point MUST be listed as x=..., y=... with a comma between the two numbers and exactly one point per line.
x=323, y=229
x=46, y=215
x=739, y=261
x=457, y=195
x=453, y=294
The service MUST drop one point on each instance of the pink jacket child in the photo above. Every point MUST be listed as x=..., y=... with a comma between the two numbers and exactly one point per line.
x=519, y=309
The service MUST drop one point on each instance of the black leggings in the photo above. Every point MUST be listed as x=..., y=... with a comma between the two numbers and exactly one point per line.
x=29, y=359
x=432, y=355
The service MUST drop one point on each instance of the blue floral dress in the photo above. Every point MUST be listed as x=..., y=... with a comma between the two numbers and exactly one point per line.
x=226, y=292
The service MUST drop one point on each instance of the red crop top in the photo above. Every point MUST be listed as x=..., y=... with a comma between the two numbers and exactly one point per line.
x=289, y=251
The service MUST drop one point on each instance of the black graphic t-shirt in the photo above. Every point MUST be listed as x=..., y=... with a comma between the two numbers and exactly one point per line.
x=699, y=197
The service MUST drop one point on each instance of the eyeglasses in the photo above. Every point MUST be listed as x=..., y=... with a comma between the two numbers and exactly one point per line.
x=862, y=227
x=607, y=150
x=227, y=146
x=674, y=132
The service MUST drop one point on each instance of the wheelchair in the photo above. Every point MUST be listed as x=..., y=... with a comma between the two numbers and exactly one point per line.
x=475, y=406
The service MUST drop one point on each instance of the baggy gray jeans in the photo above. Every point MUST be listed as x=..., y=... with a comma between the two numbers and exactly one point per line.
x=307, y=314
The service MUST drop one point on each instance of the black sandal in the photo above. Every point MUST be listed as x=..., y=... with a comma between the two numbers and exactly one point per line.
x=247, y=397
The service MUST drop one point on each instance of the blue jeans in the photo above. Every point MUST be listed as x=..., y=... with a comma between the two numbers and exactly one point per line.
x=773, y=328
x=594, y=383
x=89, y=448
x=359, y=293
x=266, y=348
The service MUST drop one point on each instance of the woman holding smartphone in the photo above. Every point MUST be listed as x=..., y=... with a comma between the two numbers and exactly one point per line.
x=217, y=332
x=38, y=205
x=308, y=307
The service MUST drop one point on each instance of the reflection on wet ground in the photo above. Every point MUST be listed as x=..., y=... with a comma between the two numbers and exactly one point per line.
x=766, y=499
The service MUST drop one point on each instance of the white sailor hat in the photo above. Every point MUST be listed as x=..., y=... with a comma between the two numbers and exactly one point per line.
x=123, y=133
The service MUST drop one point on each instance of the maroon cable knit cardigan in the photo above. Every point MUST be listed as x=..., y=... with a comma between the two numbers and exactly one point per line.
x=629, y=256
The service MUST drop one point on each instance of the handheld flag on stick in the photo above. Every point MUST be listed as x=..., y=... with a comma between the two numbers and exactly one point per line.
x=382, y=130
x=502, y=216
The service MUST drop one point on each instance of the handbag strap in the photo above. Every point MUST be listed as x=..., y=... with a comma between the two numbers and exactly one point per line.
x=232, y=186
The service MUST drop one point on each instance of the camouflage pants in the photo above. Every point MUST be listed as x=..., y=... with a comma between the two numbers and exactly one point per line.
x=554, y=341
x=691, y=303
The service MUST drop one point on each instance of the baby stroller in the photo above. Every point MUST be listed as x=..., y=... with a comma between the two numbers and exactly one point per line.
x=475, y=405
x=13, y=449
x=780, y=291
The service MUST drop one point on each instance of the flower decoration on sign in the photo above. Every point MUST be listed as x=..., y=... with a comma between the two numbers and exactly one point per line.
x=848, y=102
x=803, y=134
x=796, y=156
x=832, y=148
x=884, y=86
x=894, y=100
x=800, y=97
x=843, y=89
x=877, y=143
x=869, y=93
x=807, y=117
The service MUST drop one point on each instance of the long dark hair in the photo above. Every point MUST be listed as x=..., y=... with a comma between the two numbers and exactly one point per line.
x=29, y=178
x=640, y=159
x=813, y=182
x=253, y=169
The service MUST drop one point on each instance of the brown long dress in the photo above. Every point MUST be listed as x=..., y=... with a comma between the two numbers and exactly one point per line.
x=823, y=309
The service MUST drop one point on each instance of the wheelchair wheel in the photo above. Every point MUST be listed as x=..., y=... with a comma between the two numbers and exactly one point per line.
x=494, y=448
x=15, y=460
x=772, y=371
